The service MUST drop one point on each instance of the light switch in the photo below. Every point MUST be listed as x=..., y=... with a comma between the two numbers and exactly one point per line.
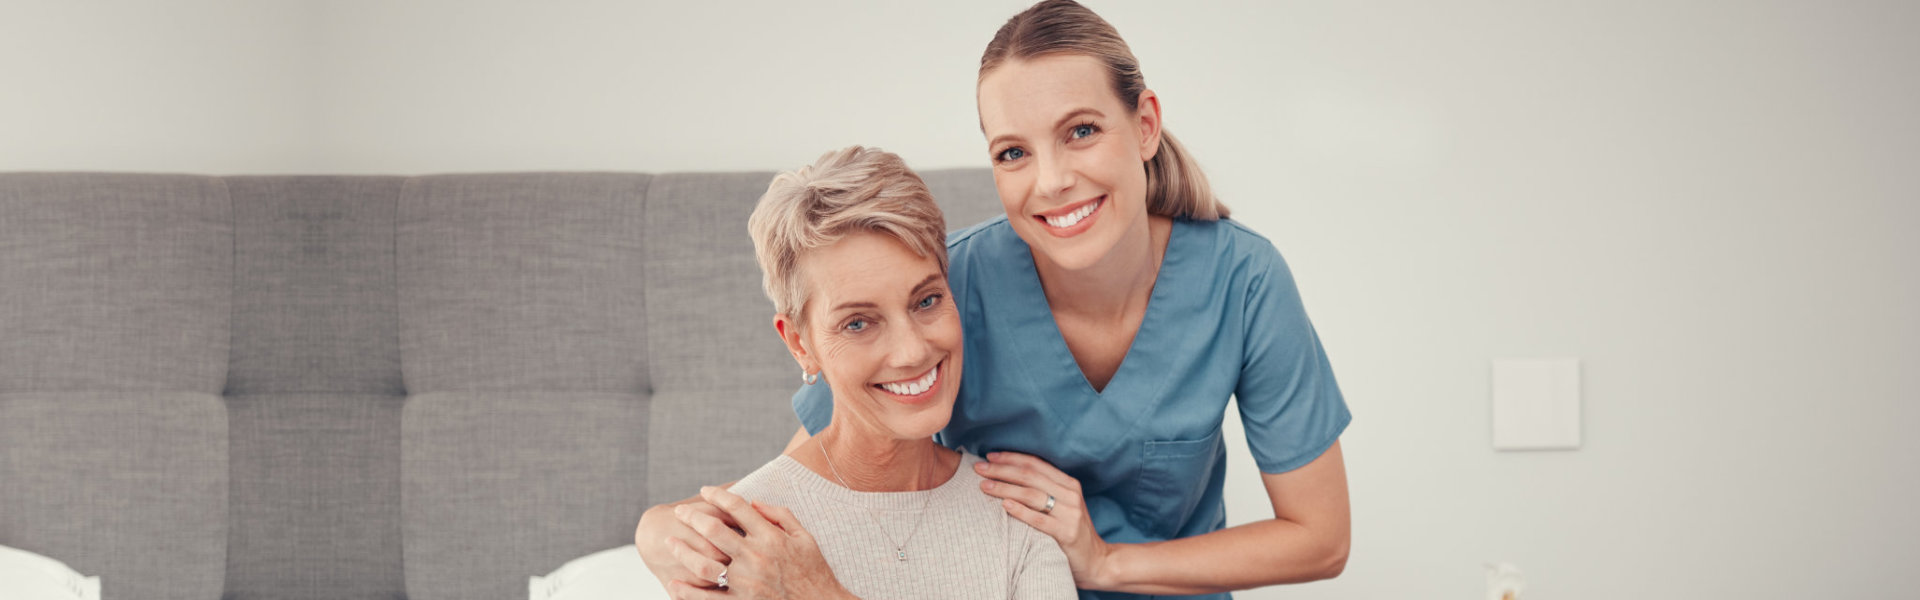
x=1536, y=403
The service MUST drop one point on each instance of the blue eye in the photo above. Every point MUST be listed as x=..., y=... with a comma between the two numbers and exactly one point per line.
x=1082, y=131
x=1012, y=154
x=929, y=301
x=856, y=325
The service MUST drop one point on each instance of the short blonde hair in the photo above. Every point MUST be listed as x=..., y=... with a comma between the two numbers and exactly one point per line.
x=851, y=190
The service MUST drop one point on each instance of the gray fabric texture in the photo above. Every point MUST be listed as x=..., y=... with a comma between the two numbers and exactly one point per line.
x=314, y=300
x=500, y=486
x=522, y=282
x=966, y=196
x=523, y=346
x=114, y=282
x=576, y=346
x=315, y=497
x=130, y=486
x=722, y=378
x=314, y=390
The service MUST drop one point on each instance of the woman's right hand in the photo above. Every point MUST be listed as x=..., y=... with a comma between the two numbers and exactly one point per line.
x=773, y=556
x=668, y=545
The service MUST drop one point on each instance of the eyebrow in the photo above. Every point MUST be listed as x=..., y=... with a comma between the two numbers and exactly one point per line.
x=916, y=287
x=1056, y=124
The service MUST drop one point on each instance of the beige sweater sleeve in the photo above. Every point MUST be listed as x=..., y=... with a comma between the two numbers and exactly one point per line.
x=1042, y=572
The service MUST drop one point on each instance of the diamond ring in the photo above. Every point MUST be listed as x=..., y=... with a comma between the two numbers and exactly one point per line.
x=1049, y=507
x=722, y=579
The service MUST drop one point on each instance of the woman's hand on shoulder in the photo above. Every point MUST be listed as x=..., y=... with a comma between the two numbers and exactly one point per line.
x=767, y=553
x=668, y=545
x=1024, y=484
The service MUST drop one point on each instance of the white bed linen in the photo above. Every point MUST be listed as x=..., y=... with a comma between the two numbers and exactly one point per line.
x=611, y=574
x=28, y=576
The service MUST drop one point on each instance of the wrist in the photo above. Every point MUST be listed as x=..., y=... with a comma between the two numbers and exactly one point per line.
x=1109, y=570
x=651, y=518
x=654, y=525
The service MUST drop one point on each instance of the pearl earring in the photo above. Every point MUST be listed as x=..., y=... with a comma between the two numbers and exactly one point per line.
x=809, y=378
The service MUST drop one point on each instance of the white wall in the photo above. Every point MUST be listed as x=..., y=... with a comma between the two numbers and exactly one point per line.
x=211, y=86
x=1715, y=205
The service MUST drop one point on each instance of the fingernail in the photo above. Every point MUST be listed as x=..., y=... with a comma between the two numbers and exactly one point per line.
x=979, y=466
x=987, y=485
x=680, y=510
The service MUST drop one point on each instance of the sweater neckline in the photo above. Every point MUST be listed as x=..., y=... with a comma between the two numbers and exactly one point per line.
x=802, y=478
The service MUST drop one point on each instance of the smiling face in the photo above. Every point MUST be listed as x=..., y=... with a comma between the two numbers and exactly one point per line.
x=882, y=329
x=1068, y=156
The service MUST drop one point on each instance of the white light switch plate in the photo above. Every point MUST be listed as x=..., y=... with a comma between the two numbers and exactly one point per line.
x=1536, y=403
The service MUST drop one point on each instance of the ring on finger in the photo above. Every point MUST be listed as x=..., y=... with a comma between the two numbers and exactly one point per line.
x=1049, y=507
x=721, y=581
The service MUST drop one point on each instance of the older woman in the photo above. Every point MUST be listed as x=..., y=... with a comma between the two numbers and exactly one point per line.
x=854, y=254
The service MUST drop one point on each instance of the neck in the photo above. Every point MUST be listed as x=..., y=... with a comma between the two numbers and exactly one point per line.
x=876, y=464
x=1120, y=281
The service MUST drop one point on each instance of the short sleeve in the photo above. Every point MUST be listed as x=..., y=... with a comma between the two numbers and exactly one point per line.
x=814, y=405
x=1288, y=399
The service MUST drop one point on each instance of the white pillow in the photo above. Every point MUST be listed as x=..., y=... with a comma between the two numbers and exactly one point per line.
x=28, y=576
x=614, y=573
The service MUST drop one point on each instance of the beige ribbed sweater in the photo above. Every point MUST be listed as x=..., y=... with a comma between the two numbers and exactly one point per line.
x=966, y=547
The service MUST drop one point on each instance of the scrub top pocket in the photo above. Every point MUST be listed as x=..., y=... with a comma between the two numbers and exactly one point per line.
x=1171, y=476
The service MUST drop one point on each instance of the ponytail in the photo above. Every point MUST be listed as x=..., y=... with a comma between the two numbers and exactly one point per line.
x=1176, y=188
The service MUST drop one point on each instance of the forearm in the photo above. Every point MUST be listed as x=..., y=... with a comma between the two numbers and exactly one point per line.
x=1268, y=552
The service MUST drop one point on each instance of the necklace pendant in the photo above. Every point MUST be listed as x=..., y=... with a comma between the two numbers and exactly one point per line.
x=902, y=553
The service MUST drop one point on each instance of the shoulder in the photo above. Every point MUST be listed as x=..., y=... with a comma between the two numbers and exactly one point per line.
x=1230, y=249
x=979, y=248
x=966, y=482
x=1231, y=240
x=960, y=237
x=989, y=236
x=769, y=483
x=964, y=475
x=1021, y=536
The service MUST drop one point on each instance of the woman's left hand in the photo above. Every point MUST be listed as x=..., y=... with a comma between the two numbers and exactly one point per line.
x=1024, y=484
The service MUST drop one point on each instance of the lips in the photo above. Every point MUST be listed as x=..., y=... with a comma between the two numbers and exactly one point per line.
x=1071, y=219
x=913, y=390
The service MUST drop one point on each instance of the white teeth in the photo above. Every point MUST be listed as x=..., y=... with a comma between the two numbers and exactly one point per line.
x=1072, y=218
x=915, y=387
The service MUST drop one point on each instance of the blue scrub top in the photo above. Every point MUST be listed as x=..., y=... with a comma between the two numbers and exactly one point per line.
x=1224, y=320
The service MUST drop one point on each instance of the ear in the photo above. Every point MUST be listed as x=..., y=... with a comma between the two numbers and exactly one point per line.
x=789, y=333
x=1147, y=113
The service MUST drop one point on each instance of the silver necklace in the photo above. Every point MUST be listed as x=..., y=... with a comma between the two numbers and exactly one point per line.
x=899, y=549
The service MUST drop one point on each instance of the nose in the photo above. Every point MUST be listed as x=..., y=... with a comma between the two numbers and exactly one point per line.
x=1056, y=175
x=909, y=349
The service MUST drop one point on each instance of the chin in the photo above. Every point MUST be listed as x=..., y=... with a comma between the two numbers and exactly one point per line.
x=927, y=425
x=923, y=423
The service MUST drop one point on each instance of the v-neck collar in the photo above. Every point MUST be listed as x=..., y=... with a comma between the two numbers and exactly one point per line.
x=1135, y=386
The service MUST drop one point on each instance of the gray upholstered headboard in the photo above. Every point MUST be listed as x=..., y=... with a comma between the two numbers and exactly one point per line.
x=377, y=386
